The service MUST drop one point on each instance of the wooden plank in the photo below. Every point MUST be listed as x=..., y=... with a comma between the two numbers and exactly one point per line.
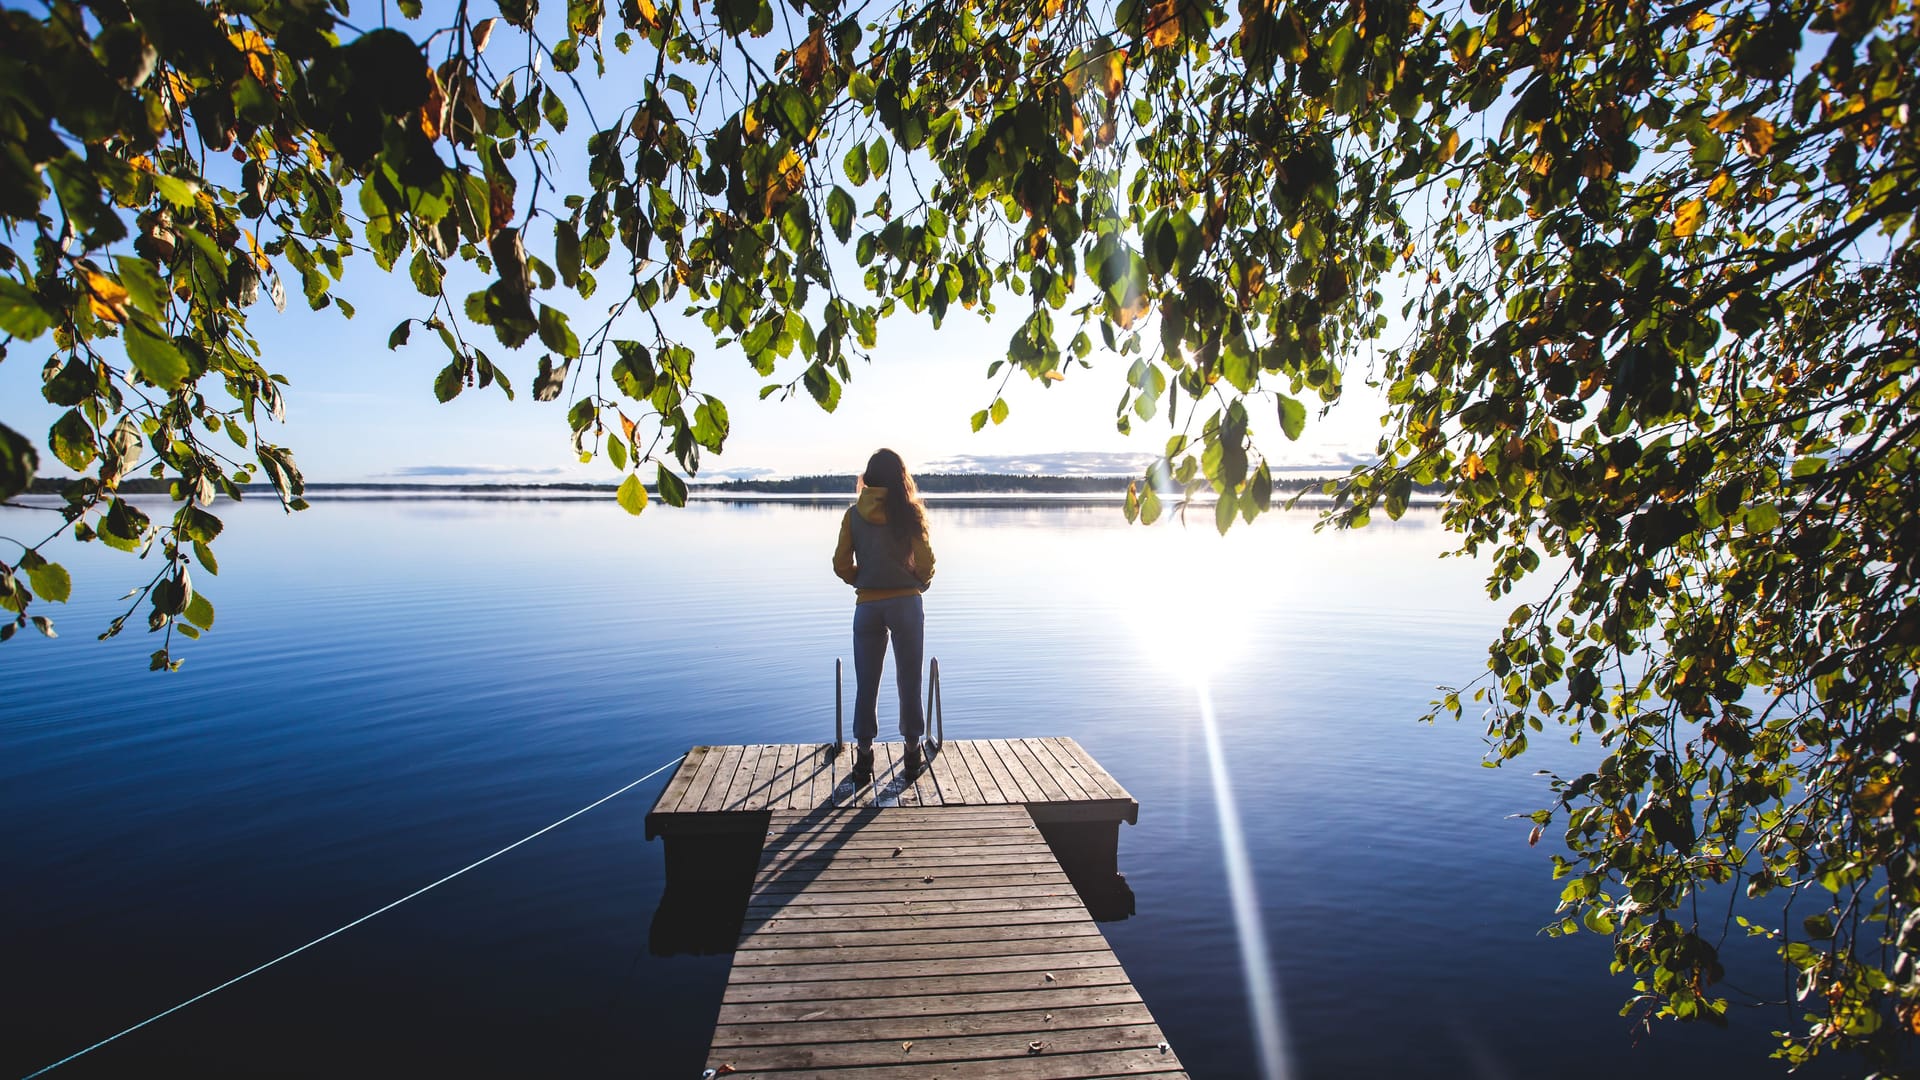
x=912, y=934
x=955, y=779
x=944, y=950
x=779, y=778
x=973, y=1048
x=962, y=1022
x=715, y=796
x=752, y=795
x=793, y=787
x=1104, y=778
x=1041, y=771
x=1012, y=774
x=923, y=969
x=807, y=788
x=834, y=879
x=750, y=1012
x=702, y=786
x=682, y=779
x=775, y=923
x=809, y=901
x=983, y=773
x=982, y=982
x=1070, y=775
x=742, y=780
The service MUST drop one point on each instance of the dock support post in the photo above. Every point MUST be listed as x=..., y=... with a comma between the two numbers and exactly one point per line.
x=839, y=738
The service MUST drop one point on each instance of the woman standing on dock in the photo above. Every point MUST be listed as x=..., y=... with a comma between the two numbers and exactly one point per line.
x=885, y=555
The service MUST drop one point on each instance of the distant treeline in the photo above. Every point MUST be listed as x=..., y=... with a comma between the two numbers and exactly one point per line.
x=841, y=484
x=935, y=484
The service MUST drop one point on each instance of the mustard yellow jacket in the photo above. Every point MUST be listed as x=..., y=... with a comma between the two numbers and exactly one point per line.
x=872, y=506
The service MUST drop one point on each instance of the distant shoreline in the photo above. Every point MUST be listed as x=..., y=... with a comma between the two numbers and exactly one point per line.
x=942, y=488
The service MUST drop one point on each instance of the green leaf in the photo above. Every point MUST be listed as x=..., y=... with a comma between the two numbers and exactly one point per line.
x=50, y=580
x=451, y=380
x=1293, y=416
x=180, y=193
x=823, y=386
x=204, y=556
x=20, y=312
x=1762, y=517
x=979, y=419
x=200, y=611
x=673, y=490
x=633, y=494
x=617, y=451
x=1597, y=921
x=854, y=165
x=425, y=274
x=154, y=355
x=143, y=285
x=999, y=411
x=566, y=253
x=840, y=213
x=555, y=334
x=71, y=440
x=19, y=461
x=877, y=157
x=400, y=335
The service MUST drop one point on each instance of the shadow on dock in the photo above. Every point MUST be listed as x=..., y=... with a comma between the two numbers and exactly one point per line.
x=710, y=880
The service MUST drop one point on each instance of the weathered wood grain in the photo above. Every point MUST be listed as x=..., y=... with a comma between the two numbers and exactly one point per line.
x=940, y=940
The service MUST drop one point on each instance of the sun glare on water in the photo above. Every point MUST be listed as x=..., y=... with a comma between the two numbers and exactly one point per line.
x=1195, y=619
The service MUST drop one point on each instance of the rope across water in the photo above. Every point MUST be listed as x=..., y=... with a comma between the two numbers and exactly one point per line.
x=343, y=929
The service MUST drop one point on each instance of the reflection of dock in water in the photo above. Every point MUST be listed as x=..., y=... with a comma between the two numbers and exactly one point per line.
x=936, y=924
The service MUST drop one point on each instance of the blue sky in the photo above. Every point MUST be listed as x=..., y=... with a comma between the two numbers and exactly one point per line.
x=357, y=412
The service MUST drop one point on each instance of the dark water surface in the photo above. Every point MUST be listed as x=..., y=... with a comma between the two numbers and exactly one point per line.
x=395, y=689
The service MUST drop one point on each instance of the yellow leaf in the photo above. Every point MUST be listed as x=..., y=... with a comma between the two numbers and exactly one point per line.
x=1448, y=144
x=627, y=426
x=1076, y=126
x=1113, y=74
x=141, y=163
x=1721, y=186
x=1701, y=21
x=1472, y=466
x=254, y=48
x=1163, y=23
x=649, y=15
x=1687, y=219
x=1132, y=308
x=107, y=297
x=1756, y=136
x=786, y=179
x=1051, y=376
x=749, y=122
x=433, y=113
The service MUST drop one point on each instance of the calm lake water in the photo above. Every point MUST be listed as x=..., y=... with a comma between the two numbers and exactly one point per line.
x=394, y=689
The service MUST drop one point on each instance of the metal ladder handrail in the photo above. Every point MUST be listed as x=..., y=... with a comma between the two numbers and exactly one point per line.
x=935, y=716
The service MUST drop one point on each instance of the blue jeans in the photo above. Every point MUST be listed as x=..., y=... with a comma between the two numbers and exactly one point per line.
x=873, y=621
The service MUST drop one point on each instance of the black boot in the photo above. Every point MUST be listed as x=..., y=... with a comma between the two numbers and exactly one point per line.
x=863, y=764
x=913, y=758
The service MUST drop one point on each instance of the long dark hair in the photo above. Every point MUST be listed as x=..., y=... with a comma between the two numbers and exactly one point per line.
x=906, y=515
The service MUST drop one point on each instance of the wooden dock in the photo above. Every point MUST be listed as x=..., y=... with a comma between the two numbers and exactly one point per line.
x=1056, y=780
x=917, y=926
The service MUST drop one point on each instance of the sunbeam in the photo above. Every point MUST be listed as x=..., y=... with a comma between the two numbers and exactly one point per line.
x=1263, y=988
